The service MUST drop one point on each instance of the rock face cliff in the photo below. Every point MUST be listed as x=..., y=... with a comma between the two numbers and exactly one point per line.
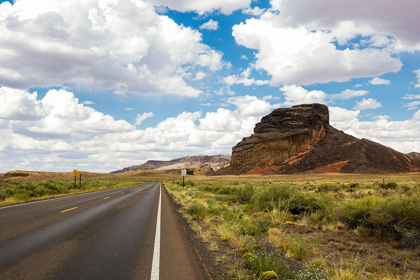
x=300, y=139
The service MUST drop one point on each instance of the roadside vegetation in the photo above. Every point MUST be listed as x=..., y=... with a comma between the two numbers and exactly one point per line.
x=307, y=229
x=19, y=191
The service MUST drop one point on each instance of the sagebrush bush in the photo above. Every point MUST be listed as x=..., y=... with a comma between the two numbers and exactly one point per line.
x=245, y=193
x=396, y=218
x=197, y=209
x=263, y=262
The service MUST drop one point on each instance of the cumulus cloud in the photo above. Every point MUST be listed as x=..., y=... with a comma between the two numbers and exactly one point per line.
x=385, y=131
x=199, y=76
x=270, y=97
x=367, y=104
x=301, y=55
x=71, y=135
x=418, y=78
x=58, y=115
x=294, y=95
x=250, y=105
x=21, y=105
x=348, y=94
x=210, y=25
x=225, y=91
x=201, y=7
x=119, y=45
x=142, y=117
x=236, y=80
x=379, y=81
x=97, y=142
x=393, y=25
x=256, y=11
x=244, y=79
x=338, y=115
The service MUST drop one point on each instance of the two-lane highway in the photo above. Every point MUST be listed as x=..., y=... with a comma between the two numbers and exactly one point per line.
x=124, y=233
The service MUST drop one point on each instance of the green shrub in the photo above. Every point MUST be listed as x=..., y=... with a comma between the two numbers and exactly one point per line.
x=298, y=246
x=388, y=185
x=357, y=212
x=274, y=196
x=396, y=218
x=197, y=210
x=267, y=262
x=229, y=215
x=5, y=193
x=327, y=188
x=245, y=193
x=21, y=196
x=227, y=190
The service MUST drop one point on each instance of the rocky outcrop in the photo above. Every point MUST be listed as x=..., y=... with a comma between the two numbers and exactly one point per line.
x=300, y=139
x=200, y=161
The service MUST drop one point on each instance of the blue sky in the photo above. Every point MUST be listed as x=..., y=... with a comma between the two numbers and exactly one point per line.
x=100, y=85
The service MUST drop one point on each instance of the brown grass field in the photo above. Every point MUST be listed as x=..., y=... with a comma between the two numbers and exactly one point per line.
x=303, y=226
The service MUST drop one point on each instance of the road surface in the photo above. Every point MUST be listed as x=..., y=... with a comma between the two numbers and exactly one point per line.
x=125, y=233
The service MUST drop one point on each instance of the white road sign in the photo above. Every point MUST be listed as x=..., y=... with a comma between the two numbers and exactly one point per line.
x=183, y=172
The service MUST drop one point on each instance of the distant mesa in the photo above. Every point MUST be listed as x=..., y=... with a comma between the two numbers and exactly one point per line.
x=300, y=139
x=208, y=164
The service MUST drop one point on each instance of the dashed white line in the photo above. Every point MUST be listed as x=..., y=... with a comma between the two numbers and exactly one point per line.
x=156, y=250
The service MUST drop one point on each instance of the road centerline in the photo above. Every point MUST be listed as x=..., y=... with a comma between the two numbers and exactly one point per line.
x=106, y=197
x=67, y=210
x=156, y=250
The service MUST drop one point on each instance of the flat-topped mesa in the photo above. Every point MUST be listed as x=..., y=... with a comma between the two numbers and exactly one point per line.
x=281, y=135
x=300, y=139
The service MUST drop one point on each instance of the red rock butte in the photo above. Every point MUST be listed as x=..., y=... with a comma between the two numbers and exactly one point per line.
x=300, y=139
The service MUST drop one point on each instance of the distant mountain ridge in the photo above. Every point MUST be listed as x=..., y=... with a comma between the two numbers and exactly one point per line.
x=199, y=161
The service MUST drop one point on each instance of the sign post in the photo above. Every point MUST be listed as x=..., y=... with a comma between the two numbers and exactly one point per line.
x=183, y=173
x=75, y=173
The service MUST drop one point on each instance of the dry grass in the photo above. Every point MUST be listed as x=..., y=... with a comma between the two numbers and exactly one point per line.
x=306, y=237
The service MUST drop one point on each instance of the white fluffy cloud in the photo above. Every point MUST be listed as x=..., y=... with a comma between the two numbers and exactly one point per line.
x=348, y=94
x=384, y=131
x=418, y=78
x=58, y=115
x=120, y=45
x=250, y=106
x=60, y=133
x=379, y=81
x=298, y=95
x=20, y=105
x=393, y=24
x=256, y=11
x=367, y=104
x=294, y=95
x=210, y=25
x=142, y=117
x=68, y=134
x=224, y=6
x=299, y=55
x=338, y=115
x=199, y=76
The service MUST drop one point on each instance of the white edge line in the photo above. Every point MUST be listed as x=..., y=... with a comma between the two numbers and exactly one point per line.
x=156, y=250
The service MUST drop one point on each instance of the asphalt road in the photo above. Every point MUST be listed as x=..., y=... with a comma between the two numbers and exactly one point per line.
x=125, y=233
